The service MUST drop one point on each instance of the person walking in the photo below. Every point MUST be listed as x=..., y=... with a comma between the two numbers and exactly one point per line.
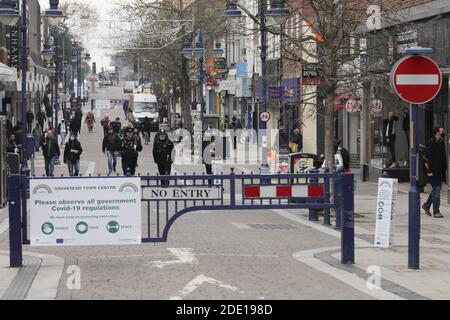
x=41, y=118
x=38, y=135
x=62, y=131
x=72, y=155
x=90, y=121
x=162, y=154
x=209, y=154
x=117, y=125
x=436, y=166
x=236, y=126
x=129, y=149
x=297, y=141
x=50, y=149
x=105, y=123
x=30, y=119
x=110, y=147
x=126, y=104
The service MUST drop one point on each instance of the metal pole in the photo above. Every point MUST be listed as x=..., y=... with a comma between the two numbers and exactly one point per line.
x=263, y=99
x=414, y=196
x=24, y=49
x=348, y=220
x=15, y=223
x=57, y=65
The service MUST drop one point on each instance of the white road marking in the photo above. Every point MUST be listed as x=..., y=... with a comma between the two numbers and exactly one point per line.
x=90, y=169
x=308, y=258
x=198, y=281
x=184, y=256
x=4, y=225
x=241, y=226
x=417, y=79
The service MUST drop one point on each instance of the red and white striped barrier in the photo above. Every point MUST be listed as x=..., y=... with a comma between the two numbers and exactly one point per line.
x=283, y=191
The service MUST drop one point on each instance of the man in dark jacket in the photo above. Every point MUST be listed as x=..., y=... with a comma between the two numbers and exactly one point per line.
x=30, y=118
x=72, y=153
x=110, y=147
x=41, y=118
x=436, y=165
x=116, y=125
x=130, y=148
x=50, y=149
x=162, y=154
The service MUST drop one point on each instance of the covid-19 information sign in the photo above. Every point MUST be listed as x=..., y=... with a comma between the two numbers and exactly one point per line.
x=85, y=211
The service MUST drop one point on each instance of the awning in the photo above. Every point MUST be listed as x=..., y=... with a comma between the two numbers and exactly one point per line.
x=7, y=74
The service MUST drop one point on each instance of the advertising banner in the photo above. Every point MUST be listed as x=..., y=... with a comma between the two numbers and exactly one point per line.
x=89, y=211
x=387, y=196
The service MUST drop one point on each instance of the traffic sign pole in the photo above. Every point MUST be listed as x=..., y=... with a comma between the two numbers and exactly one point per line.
x=414, y=196
x=417, y=80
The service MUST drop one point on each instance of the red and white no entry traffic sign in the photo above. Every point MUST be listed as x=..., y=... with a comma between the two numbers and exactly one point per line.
x=264, y=116
x=416, y=79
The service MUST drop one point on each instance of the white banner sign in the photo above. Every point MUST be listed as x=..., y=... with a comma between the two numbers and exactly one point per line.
x=181, y=193
x=90, y=211
x=387, y=196
x=103, y=104
x=228, y=85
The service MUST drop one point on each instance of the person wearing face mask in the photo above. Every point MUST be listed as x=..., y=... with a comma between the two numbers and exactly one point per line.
x=436, y=165
x=162, y=154
x=130, y=148
x=72, y=153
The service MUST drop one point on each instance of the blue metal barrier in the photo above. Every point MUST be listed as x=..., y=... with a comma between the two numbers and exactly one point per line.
x=234, y=192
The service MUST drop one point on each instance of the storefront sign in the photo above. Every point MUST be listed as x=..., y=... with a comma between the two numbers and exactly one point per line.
x=241, y=69
x=387, y=196
x=181, y=193
x=228, y=85
x=97, y=211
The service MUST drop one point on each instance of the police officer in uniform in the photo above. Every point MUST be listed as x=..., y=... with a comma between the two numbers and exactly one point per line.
x=130, y=148
x=162, y=154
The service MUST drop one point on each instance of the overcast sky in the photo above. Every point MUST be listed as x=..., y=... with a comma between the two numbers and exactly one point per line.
x=99, y=55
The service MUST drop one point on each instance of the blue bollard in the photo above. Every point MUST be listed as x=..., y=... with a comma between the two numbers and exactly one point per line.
x=326, y=199
x=348, y=220
x=313, y=213
x=338, y=202
x=15, y=222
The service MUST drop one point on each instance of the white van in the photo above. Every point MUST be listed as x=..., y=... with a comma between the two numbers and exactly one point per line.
x=144, y=105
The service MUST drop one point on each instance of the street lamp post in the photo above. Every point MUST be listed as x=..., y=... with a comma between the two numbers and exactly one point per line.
x=198, y=53
x=271, y=17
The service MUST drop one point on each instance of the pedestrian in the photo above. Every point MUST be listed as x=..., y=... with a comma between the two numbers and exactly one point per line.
x=90, y=121
x=162, y=154
x=12, y=146
x=110, y=147
x=18, y=132
x=75, y=125
x=62, y=131
x=50, y=149
x=117, y=125
x=236, y=126
x=146, y=129
x=341, y=158
x=436, y=165
x=129, y=149
x=297, y=141
x=105, y=123
x=126, y=104
x=72, y=154
x=38, y=135
x=79, y=117
x=209, y=154
x=41, y=118
x=30, y=119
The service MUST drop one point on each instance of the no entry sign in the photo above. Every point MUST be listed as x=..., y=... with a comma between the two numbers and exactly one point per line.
x=416, y=79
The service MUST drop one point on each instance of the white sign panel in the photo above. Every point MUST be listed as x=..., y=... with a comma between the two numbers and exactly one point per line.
x=103, y=104
x=217, y=169
x=91, y=211
x=387, y=196
x=228, y=85
x=181, y=193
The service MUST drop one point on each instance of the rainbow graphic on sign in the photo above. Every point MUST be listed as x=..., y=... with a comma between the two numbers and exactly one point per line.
x=128, y=187
x=42, y=189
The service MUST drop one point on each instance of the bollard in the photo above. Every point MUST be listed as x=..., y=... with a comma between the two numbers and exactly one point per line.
x=348, y=220
x=326, y=199
x=232, y=187
x=15, y=222
x=337, y=183
x=313, y=213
